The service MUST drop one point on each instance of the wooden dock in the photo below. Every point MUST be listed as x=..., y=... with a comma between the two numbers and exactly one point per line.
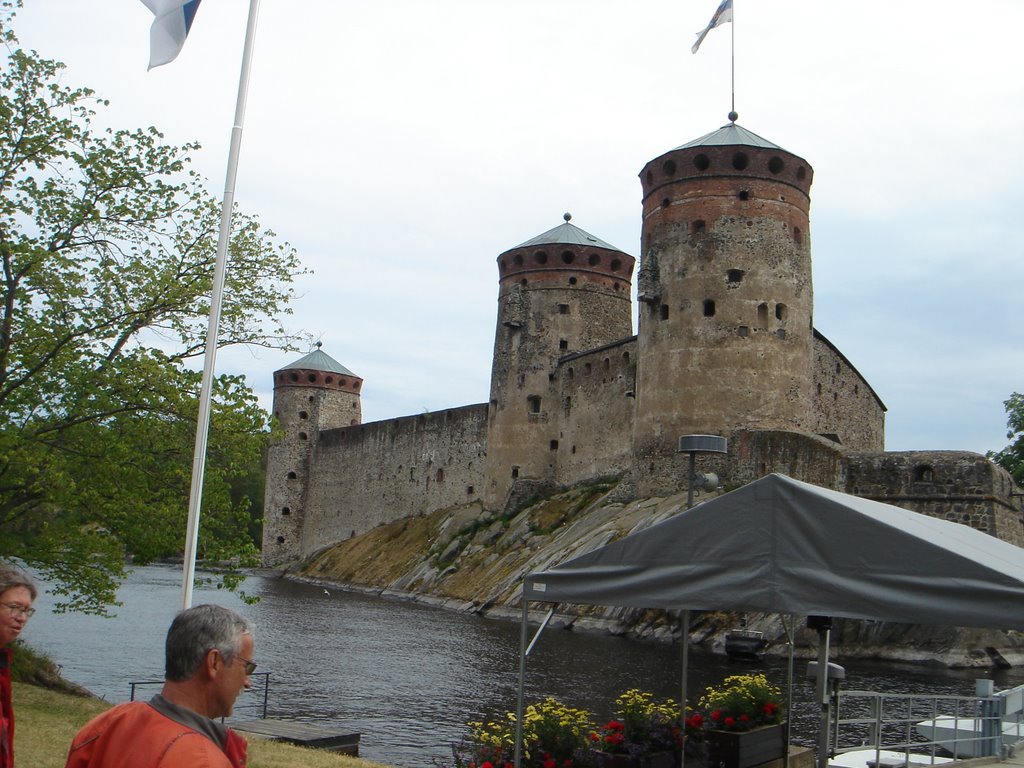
x=301, y=734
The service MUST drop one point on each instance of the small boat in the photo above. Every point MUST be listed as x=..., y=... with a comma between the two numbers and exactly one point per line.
x=745, y=644
x=961, y=736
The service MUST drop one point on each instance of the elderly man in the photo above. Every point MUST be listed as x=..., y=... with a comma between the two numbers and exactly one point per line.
x=208, y=663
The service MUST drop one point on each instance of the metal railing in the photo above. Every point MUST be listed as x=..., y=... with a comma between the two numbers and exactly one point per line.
x=926, y=729
x=261, y=686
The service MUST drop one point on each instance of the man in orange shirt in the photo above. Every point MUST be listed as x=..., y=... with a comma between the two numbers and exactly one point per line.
x=208, y=663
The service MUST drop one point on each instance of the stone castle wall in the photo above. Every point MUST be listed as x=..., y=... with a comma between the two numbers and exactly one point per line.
x=845, y=406
x=374, y=473
x=596, y=409
x=959, y=486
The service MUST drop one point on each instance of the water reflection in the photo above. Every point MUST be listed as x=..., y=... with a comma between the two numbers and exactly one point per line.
x=404, y=675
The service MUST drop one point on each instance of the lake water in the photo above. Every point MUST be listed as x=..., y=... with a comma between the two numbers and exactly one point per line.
x=406, y=676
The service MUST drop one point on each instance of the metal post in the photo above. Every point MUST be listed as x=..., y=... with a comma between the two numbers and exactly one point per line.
x=213, y=329
x=693, y=479
x=684, y=654
x=522, y=681
x=791, y=638
x=266, y=694
x=823, y=697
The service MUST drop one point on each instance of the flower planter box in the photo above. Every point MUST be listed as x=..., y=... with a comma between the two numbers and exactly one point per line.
x=743, y=749
x=656, y=760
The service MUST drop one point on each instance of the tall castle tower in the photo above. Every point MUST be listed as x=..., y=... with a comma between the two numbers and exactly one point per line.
x=726, y=305
x=312, y=394
x=561, y=292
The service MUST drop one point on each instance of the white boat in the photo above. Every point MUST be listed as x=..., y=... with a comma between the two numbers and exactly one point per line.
x=961, y=736
x=883, y=758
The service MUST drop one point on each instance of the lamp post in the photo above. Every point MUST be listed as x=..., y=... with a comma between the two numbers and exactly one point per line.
x=694, y=444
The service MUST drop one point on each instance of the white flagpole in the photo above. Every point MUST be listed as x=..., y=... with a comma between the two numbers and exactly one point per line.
x=216, y=297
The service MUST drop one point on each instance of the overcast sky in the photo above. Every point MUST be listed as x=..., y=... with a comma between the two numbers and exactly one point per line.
x=401, y=145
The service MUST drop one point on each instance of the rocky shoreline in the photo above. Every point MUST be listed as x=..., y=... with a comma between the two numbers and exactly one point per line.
x=458, y=560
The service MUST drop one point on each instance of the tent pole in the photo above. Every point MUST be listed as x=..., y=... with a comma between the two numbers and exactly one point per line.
x=536, y=635
x=684, y=658
x=791, y=636
x=824, y=632
x=522, y=681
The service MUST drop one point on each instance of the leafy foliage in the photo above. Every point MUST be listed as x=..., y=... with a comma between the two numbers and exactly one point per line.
x=1011, y=458
x=107, y=249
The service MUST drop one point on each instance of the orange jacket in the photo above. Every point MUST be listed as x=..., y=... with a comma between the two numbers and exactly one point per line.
x=135, y=735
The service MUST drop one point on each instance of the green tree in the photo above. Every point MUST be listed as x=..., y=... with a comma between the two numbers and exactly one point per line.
x=1011, y=458
x=107, y=245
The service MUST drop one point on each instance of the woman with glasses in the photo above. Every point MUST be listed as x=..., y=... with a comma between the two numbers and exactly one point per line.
x=17, y=591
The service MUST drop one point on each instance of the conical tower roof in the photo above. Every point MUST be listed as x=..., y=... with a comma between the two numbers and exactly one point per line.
x=567, y=234
x=318, y=360
x=731, y=135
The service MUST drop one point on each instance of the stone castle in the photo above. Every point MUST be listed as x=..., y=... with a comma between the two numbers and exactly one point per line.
x=726, y=346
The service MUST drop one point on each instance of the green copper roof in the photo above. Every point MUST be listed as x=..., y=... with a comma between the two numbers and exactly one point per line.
x=729, y=136
x=568, y=234
x=319, y=361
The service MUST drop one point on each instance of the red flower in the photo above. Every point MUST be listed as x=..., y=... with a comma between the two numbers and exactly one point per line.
x=614, y=725
x=550, y=763
x=486, y=764
x=615, y=738
x=716, y=714
x=695, y=721
x=730, y=722
x=594, y=736
x=744, y=718
x=770, y=707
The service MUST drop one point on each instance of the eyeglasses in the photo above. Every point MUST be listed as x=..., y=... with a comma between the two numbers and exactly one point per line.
x=250, y=666
x=19, y=609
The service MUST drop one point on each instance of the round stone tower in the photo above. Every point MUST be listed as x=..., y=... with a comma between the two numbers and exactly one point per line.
x=562, y=292
x=313, y=394
x=725, y=322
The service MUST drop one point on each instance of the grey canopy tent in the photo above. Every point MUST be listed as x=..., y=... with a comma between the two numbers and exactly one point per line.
x=779, y=545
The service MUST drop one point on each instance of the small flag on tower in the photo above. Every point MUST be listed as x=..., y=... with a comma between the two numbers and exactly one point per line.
x=170, y=28
x=722, y=15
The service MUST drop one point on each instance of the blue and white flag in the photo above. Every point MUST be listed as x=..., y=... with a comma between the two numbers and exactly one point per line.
x=722, y=15
x=170, y=28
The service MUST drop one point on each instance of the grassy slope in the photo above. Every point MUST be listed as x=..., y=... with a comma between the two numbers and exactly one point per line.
x=47, y=720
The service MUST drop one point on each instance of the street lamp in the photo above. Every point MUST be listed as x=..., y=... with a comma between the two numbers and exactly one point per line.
x=694, y=444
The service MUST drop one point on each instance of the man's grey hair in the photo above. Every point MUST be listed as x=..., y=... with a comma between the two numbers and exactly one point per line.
x=195, y=632
x=11, y=577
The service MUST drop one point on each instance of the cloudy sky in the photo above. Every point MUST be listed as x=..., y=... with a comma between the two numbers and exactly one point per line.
x=401, y=145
